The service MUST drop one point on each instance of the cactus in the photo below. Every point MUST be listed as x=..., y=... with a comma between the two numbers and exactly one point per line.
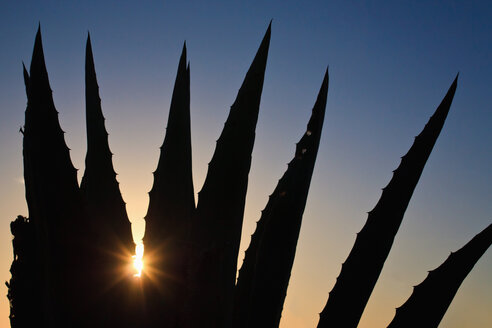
x=73, y=234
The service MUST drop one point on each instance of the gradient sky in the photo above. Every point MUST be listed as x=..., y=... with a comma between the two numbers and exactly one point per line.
x=390, y=64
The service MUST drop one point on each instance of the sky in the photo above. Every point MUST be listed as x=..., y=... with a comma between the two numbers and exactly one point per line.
x=390, y=64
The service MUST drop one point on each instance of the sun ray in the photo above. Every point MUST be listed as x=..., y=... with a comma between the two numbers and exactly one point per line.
x=138, y=263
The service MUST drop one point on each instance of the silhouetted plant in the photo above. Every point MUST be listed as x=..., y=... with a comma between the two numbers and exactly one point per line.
x=430, y=299
x=352, y=289
x=70, y=254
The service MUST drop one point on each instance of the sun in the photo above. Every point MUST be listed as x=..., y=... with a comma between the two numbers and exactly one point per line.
x=138, y=259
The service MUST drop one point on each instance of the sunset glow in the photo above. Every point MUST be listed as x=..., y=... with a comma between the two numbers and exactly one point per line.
x=390, y=64
x=137, y=259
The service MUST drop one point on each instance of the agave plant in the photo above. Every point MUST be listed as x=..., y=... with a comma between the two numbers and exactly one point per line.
x=70, y=254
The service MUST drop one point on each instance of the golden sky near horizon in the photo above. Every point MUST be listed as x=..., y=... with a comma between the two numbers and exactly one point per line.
x=390, y=65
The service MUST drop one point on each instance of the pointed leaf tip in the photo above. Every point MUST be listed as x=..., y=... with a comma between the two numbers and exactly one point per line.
x=88, y=46
x=323, y=94
x=455, y=82
x=38, y=35
x=38, y=66
x=183, y=55
x=326, y=78
x=265, y=43
x=450, y=94
x=269, y=30
x=183, y=52
x=259, y=62
x=182, y=59
x=24, y=70
x=89, y=57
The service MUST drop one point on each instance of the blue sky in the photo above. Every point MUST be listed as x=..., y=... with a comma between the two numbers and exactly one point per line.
x=390, y=65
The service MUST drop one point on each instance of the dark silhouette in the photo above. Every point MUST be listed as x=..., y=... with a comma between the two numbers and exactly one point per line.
x=430, y=300
x=107, y=219
x=71, y=255
x=218, y=221
x=169, y=217
x=24, y=287
x=99, y=185
x=54, y=202
x=361, y=270
x=264, y=276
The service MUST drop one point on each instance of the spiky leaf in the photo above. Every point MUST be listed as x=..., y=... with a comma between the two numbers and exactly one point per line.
x=361, y=270
x=53, y=198
x=429, y=301
x=99, y=184
x=264, y=277
x=170, y=210
x=220, y=209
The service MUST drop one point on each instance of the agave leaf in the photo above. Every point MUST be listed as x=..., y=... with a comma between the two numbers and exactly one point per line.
x=429, y=301
x=28, y=170
x=172, y=196
x=54, y=177
x=170, y=209
x=219, y=215
x=265, y=273
x=99, y=185
x=112, y=244
x=24, y=288
x=53, y=197
x=361, y=270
